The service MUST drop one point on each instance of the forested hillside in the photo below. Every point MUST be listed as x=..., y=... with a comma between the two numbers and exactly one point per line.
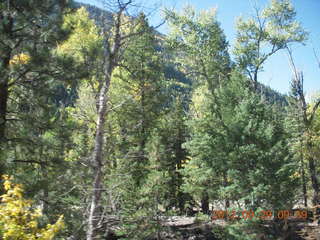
x=112, y=130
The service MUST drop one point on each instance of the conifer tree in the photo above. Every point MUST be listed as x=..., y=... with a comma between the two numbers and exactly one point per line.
x=201, y=54
x=238, y=148
x=27, y=35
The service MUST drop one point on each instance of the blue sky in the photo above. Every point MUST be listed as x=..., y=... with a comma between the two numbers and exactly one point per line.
x=277, y=73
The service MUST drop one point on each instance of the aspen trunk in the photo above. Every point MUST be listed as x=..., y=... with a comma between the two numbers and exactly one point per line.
x=97, y=158
x=111, y=59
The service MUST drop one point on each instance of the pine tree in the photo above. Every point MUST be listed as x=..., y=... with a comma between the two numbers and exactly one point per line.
x=239, y=148
x=27, y=36
x=139, y=88
x=201, y=50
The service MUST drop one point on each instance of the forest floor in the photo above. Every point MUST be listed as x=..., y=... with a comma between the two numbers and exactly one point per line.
x=187, y=228
x=191, y=228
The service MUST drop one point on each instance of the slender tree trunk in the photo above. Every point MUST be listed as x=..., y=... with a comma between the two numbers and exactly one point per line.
x=3, y=111
x=225, y=184
x=205, y=203
x=143, y=134
x=179, y=156
x=4, y=94
x=111, y=58
x=3, y=108
x=255, y=80
x=304, y=181
x=313, y=174
x=304, y=187
x=94, y=215
x=5, y=53
x=97, y=157
x=314, y=181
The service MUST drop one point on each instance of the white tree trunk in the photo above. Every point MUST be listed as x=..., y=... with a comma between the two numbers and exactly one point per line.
x=97, y=157
x=111, y=59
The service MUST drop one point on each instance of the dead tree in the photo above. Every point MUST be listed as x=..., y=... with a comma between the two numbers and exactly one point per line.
x=115, y=40
x=307, y=119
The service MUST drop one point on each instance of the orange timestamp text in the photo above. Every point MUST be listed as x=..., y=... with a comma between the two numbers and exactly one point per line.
x=262, y=214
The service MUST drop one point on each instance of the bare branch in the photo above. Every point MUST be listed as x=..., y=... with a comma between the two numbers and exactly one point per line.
x=314, y=109
x=298, y=84
x=316, y=56
x=292, y=64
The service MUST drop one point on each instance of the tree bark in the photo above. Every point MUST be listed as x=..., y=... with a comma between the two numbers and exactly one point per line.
x=4, y=94
x=97, y=156
x=180, y=155
x=304, y=181
x=5, y=53
x=225, y=184
x=314, y=181
x=304, y=188
x=255, y=80
x=111, y=58
x=205, y=203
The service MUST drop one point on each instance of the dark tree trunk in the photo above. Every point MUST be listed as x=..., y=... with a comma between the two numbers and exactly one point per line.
x=143, y=134
x=255, y=80
x=313, y=174
x=5, y=53
x=180, y=155
x=304, y=188
x=4, y=94
x=225, y=184
x=304, y=180
x=314, y=181
x=205, y=203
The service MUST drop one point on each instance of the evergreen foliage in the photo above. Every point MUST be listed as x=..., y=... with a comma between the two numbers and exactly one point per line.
x=117, y=127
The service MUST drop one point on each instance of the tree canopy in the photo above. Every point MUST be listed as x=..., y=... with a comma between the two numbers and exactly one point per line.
x=116, y=131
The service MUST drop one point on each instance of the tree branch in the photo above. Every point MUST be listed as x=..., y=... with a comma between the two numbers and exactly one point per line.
x=31, y=161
